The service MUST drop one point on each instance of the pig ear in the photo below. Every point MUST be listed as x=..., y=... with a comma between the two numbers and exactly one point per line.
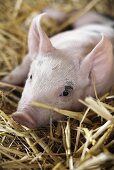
x=38, y=41
x=99, y=61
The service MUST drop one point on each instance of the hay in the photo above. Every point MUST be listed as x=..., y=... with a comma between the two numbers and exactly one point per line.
x=85, y=139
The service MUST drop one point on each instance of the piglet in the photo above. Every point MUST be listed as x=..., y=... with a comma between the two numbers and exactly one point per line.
x=60, y=70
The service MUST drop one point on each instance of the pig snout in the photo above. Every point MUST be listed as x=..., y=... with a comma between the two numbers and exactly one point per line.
x=25, y=119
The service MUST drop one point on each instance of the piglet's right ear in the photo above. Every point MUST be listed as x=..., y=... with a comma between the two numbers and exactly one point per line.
x=38, y=41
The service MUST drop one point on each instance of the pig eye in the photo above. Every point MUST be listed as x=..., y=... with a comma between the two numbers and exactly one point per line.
x=31, y=76
x=66, y=91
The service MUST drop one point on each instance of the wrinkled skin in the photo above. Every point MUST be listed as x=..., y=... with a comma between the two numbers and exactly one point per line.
x=61, y=70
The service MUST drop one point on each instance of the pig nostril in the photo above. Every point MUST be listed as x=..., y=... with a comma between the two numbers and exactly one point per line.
x=24, y=119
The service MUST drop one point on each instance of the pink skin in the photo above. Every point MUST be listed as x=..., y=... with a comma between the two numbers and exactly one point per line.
x=61, y=70
x=57, y=15
x=92, y=17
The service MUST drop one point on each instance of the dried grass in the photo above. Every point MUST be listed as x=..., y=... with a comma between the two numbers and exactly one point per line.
x=84, y=140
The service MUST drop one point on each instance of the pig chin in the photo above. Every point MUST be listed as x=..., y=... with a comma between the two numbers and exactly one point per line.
x=34, y=119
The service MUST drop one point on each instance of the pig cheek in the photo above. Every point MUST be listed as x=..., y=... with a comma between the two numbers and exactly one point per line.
x=66, y=102
x=80, y=93
x=62, y=102
x=43, y=117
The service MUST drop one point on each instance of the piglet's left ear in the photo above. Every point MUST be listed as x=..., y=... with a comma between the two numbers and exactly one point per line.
x=99, y=61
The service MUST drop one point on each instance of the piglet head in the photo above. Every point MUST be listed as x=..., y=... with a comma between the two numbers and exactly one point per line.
x=57, y=79
x=47, y=81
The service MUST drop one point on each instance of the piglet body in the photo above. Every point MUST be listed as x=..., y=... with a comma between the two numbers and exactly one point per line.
x=61, y=70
